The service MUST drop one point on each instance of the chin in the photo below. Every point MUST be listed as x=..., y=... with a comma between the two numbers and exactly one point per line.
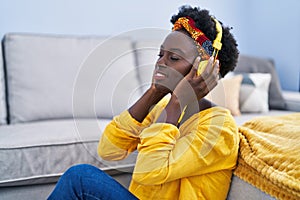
x=163, y=88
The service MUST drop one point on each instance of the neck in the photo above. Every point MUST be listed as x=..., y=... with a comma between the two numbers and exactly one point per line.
x=196, y=107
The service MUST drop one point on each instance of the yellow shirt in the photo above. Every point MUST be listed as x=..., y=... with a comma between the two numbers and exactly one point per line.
x=194, y=161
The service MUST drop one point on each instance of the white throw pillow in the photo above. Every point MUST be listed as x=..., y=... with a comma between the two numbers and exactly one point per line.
x=254, y=92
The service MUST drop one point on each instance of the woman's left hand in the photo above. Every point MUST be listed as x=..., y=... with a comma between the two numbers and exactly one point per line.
x=194, y=87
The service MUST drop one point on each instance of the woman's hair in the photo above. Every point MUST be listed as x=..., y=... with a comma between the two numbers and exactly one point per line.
x=228, y=55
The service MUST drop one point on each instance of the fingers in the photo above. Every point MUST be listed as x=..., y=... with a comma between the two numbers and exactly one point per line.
x=211, y=67
x=194, y=69
x=211, y=74
x=206, y=68
x=211, y=84
x=209, y=77
x=196, y=62
x=216, y=67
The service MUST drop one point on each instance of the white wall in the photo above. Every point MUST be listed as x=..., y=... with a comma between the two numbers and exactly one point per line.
x=262, y=28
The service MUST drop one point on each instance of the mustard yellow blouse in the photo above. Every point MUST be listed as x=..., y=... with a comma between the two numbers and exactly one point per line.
x=194, y=161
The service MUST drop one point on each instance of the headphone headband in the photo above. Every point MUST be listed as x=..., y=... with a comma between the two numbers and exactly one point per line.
x=217, y=42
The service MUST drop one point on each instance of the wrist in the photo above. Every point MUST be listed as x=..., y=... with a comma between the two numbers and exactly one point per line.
x=173, y=110
x=155, y=94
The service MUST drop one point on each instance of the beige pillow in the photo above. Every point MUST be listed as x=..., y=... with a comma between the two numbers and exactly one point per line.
x=226, y=94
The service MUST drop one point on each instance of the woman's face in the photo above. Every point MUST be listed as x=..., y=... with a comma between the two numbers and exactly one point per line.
x=176, y=57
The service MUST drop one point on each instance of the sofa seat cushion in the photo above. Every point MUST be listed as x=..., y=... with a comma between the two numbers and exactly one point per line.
x=241, y=119
x=239, y=189
x=39, y=152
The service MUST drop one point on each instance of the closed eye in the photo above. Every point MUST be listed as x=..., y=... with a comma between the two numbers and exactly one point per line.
x=174, y=58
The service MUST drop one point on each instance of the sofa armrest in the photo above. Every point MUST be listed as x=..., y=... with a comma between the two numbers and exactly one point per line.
x=292, y=100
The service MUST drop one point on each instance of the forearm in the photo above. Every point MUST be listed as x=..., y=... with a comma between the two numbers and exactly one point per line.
x=171, y=113
x=143, y=106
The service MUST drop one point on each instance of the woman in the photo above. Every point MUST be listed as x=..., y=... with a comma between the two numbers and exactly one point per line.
x=187, y=146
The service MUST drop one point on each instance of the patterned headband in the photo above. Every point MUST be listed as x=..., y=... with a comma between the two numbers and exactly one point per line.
x=201, y=40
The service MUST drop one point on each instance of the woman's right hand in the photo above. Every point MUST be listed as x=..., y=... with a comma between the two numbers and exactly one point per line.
x=142, y=107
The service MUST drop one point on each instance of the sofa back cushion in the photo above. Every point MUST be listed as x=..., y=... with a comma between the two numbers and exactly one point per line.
x=146, y=56
x=249, y=64
x=3, y=110
x=51, y=77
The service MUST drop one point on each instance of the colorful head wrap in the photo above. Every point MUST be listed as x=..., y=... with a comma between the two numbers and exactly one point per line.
x=201, y=40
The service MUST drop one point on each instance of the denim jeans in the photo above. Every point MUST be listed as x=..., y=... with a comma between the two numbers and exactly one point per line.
x=88, y=182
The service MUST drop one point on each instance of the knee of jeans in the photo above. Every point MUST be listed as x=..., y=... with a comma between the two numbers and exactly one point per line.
x=79, y=169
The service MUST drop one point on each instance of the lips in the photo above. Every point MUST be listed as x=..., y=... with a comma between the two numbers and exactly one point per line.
x=158, y=75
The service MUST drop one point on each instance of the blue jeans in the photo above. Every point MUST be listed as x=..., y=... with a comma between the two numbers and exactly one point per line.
x=88, y=182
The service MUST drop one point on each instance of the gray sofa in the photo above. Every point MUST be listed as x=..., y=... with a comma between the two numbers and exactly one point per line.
x=57, y=94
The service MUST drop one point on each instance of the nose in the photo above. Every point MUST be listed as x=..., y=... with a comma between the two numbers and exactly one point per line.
x=161, y=60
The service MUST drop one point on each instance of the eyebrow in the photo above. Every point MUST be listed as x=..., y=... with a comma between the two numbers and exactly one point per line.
x=174, y=50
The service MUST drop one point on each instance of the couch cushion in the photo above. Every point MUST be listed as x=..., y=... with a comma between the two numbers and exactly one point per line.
x=254, y=92
x=227, y=93
x=241, y=119
x=292, y=99
x=248, y=64
x=146, y=57
x=3, y=111
x=49, y=76
x=39, y=152
x=239, y=189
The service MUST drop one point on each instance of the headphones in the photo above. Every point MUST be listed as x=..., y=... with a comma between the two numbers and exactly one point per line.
x=217, y=42
x=217, y=45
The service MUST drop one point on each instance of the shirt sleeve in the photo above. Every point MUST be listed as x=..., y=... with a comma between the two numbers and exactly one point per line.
x=210, y=145
x=121, y=135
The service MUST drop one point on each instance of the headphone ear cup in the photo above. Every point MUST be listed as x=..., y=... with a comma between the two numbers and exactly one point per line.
x=201, y=67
